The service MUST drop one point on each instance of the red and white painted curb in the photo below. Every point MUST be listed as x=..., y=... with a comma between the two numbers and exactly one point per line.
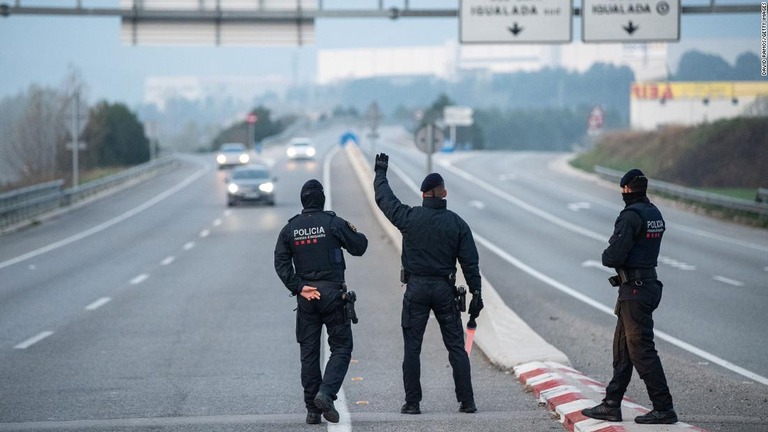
x=566, y=391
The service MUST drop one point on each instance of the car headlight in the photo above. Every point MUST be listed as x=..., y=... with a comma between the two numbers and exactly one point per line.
x=244, y=158
x=267, y=187
x=221, y=159
x=310, y=152
x=291, y=152
x=232, y=188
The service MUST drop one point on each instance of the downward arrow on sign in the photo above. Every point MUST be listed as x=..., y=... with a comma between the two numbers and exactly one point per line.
x=630, y=28
x=515, y=29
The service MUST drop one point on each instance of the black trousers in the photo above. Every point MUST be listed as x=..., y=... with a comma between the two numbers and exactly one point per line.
x=310, y=318
x=633, y=346
x=423, y=295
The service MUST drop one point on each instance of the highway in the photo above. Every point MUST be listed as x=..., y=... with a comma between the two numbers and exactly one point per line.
x=158, y=308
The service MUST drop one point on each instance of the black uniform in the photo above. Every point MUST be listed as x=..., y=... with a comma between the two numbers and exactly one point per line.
x=633, y=251
x=309, y=252
x=434, y=238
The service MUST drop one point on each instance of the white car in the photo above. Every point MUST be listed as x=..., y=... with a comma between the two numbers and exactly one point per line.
x=231, y=154
x=301, y=148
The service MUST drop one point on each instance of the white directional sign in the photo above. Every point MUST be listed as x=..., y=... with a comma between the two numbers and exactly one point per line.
x=630, y=20
x=515, y=21
x=458, y=115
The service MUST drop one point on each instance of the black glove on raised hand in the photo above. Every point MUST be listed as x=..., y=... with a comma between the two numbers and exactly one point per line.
x=476, y=305
x=382, y=162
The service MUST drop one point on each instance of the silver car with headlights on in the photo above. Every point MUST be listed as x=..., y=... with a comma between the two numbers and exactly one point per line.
x=250, y=183
x=231, y=154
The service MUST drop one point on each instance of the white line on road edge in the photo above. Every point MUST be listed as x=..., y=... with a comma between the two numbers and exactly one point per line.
x=577, y=295
x=599, y=306
x=33, y=340
x=98, y=303
x=139, y=279
x=101, y=227
x=345, y=420
x=728, y=281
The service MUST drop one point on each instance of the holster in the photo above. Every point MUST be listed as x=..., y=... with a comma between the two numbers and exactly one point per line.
x=350, y=298
x=461, y=298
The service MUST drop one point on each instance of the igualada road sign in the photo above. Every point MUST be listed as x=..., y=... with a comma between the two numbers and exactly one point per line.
x=515, y=21
x=630, y=20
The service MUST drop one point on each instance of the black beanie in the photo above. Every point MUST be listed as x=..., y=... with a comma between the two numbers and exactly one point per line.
x=635, y=179
x=431, y=181
x=312, y=195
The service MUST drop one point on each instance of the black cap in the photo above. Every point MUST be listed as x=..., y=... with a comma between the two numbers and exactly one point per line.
x=312, y=194
x=635, y=179
x=431, y=181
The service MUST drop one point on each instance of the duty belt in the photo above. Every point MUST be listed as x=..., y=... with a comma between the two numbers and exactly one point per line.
x=629, y=275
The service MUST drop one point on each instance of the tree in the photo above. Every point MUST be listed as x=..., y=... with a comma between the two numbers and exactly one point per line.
x=264, y=127
x=34, y=135
x=697, y=66
x=115, y=137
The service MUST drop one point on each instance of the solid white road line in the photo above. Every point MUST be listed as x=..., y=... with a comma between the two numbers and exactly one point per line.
x=101, y=227
x=570, y=291
x=345, y=421
x=33, y=340
x=98, y=303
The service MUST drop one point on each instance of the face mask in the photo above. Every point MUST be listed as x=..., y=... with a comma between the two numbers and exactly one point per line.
x=631, y=197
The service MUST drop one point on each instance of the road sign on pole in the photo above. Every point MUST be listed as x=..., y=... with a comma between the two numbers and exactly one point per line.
x=630, y=20
x=515, y=21
x=458, y=115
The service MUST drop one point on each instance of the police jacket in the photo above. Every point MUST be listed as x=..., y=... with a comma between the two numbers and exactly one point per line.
x=434, y=238
x=309, y=248
x=636, y=239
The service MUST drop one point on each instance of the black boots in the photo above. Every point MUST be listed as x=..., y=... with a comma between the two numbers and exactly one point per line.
x=313, y=418
x=325, y=403
x=608, y=411
x=468, y=407
x=658, y=417
x=410, y=408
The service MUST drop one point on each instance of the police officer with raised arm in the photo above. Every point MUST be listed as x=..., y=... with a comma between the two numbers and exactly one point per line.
x=434, y=239
x=633, y=250
x=310, y=262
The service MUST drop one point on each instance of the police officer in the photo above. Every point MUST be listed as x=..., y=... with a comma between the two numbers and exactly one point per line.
x=434, y=238
x=633, y=250
x=310, y=262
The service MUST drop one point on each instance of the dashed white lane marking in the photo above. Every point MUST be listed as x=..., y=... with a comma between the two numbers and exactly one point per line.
x=139, y=279
x=728, y=281
x=33, y=340
x=98, y=303
x=217, y=222
x=205, y=233
x=677, y=264
x=765, y=268
x=168, y=260
x=189, y=245
x=476, y=204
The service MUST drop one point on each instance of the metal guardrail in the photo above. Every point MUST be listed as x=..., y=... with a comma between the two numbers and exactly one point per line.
x=27, y=204
x=753, y=207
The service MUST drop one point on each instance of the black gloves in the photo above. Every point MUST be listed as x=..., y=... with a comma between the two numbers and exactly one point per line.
x=476, y=305
x=382, y=162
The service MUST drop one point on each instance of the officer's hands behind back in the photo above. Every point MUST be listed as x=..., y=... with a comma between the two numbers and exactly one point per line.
x=382, y=162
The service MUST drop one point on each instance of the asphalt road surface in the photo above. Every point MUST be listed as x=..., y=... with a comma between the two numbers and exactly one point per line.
x=158, y=308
